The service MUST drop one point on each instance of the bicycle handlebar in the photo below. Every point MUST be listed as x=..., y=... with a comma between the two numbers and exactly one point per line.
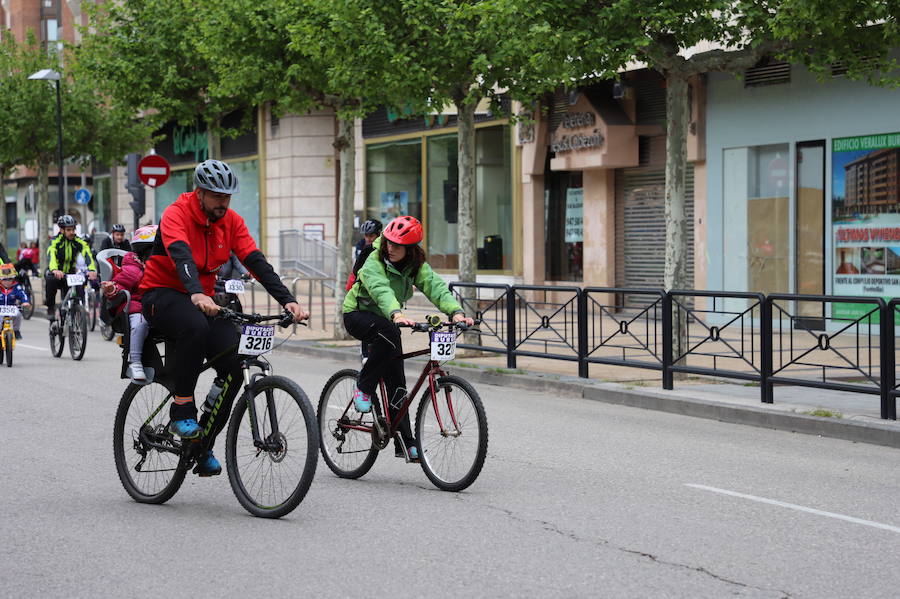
x=424, y=327
x=285, y=319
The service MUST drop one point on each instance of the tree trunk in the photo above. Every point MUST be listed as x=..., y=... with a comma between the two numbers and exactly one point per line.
x=3, y=237
x=466, y=218
x=346, y=144
x=466, y=194
x=42, y=214
x=213, y=140
x=676, y=221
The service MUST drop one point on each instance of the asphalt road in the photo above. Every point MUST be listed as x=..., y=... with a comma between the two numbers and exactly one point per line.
x=576, y=498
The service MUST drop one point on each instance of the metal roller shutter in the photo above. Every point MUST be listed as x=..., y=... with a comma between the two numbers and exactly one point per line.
x=641, y=226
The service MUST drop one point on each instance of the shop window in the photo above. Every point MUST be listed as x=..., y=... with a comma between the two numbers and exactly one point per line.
x=756, y=221
x=563, y=199
x=394, y=180
x=101, y=204
x=493, y=200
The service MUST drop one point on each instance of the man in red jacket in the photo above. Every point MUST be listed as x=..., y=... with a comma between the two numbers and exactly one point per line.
x=195, y=238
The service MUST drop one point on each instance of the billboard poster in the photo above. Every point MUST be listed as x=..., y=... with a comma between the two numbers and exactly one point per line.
x=574, y=215
x=865, y=204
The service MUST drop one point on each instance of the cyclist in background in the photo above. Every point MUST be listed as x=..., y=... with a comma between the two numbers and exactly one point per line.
x=64, y=251
x=374, y=307
x=116, y=240
x=196, y=236
x=370, y=230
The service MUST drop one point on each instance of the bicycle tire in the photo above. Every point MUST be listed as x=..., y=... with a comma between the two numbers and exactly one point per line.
x=28, y=312
x=240, y=440
x=434, y=447
x=93, y=309
x=57, y=340
x=151, y=397
x=78, y=332
x=329, y=433
x=8, y=342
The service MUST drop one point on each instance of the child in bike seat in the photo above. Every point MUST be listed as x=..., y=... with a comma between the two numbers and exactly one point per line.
x=12, y=294
x=128, y=277
x=374, y=307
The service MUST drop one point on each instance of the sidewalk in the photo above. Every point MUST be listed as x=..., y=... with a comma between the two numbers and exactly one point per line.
x=849, y=416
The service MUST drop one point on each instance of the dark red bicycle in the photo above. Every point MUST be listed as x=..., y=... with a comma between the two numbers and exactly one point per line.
x=451, y=427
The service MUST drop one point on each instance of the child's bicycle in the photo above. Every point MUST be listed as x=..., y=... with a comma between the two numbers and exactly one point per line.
x=451, y=427
x=7, y=334
x=75, y=323
x=271, y=442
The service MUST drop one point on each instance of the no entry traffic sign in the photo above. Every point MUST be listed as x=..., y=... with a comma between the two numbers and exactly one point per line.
x=153, y=170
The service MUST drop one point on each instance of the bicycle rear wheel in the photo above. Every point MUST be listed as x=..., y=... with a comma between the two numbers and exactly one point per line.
x=78, y=326
x=8, y=342
x=348, y=452
x=93, y=309
x=452, y=440
x=270, y=482
x=147, y=455
x=57, y=340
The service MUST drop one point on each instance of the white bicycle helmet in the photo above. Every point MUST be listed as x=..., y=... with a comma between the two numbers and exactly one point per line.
x=215, y=176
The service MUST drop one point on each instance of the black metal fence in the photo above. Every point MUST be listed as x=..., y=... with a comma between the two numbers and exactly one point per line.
x=825, y=342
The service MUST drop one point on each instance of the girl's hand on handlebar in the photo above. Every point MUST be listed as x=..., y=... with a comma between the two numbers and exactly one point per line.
x=459, y=317
x=297, y=310
x=205, y=304
x=400, y=319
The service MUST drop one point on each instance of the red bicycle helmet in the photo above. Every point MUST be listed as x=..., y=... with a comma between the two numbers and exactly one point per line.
x=404, y=230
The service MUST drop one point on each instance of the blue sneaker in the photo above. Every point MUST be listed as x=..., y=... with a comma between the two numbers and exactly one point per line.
x=186, y=429
x=208, y=465
x=362, y=401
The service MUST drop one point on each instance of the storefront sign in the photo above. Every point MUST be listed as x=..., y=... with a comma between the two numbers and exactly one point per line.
x=577, y=120
x=865, y=208
x=567, y=143
x=574, y=215
x=186, y=140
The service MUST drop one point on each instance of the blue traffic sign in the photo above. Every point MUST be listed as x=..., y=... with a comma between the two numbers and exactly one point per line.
x=82, y=196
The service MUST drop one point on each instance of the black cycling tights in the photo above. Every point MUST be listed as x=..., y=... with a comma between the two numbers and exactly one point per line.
x=196, y=337
x=383, y=338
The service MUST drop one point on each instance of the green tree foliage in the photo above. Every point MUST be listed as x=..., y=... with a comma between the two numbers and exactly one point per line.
x=93, y=128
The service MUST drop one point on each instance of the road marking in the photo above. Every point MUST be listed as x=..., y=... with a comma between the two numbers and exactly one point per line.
x=799, y=508
x=31, y=347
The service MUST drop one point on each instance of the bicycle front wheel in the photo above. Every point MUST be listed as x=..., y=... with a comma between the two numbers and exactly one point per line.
x=57, y=340
x=78, y=328
x=272, y=480
x=28, y=312
x=347, y=451
x=8, y=342
x=147, y=455
x=452, y=434
x=93, y=309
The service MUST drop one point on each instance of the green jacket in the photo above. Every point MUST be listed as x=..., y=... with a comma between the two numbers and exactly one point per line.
x=382, y=289
x=63, y=254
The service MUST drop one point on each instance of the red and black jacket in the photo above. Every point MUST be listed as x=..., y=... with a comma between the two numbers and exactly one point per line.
x=189, y=250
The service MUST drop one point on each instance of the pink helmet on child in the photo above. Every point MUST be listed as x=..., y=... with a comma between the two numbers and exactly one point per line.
x=143, y=237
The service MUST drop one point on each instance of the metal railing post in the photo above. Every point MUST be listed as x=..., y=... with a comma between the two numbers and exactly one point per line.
x=766, y=346
x=668, y=377
x=888, y=374
x=511, y=327
x=582, y=328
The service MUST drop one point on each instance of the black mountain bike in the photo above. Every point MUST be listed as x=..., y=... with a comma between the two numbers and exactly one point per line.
x=71, y=321
x=272, y=439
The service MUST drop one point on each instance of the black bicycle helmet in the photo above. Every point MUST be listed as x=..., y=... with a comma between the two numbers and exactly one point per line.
x=65, y=221
x=117, y=229
x=215, y=176
x=370, y=227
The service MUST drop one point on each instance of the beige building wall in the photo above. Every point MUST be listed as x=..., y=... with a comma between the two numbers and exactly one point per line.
x=300, y=187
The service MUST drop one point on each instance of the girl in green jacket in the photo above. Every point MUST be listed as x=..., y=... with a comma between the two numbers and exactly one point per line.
x=374, y=307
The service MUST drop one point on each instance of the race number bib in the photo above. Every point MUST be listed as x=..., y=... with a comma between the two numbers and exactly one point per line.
x=234, y=286
x=72, y=280
x=443, y=346
x=256, y=339
x=9, y=310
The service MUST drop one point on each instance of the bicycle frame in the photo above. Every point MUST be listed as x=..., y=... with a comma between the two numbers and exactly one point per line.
x=7, y=327
x=430, y=372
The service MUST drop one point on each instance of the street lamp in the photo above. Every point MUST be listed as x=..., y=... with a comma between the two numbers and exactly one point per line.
x=51, y=75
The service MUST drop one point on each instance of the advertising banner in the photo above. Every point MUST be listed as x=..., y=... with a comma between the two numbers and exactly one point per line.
x=865, y=219
x=574, y=215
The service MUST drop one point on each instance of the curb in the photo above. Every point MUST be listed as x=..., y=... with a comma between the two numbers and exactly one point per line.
x=873, y=433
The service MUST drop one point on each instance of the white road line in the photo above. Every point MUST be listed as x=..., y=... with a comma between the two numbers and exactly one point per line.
x=31, y=347
x=799, y=508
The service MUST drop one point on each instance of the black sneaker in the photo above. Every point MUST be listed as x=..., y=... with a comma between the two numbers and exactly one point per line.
x=18, y=335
